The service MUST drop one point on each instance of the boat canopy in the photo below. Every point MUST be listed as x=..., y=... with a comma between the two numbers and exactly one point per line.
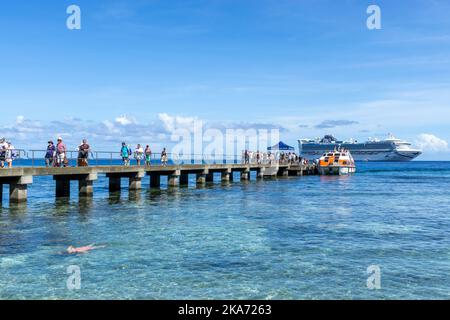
x=281, y=146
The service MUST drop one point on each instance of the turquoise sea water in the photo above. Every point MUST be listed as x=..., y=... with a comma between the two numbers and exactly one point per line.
x=288, y=238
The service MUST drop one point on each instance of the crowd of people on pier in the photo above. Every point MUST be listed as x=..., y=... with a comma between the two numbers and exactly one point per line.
x=56, y=155
x=257, y=157
x=7, y=153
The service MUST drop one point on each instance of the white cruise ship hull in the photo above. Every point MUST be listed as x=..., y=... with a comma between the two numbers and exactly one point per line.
x=361, y=152
x=369, y=156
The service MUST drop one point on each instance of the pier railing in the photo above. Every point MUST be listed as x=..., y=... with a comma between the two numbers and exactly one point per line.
x=36, y=158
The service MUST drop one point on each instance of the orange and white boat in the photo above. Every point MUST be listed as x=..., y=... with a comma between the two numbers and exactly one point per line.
x=337, y=162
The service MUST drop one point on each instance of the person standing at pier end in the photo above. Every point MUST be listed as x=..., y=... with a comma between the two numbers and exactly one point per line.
x=50, y=154
x=61, y=151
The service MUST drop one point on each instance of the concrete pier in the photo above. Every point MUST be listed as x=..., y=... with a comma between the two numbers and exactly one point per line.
x=174, y=179
x=155, y=180
x=62, y=188
x=245, y=174
x=86, y=185
x=226, y=176
x=135, y=181
x=283, y=172
x=18, y=189
x=260, y=173
x=19, y=178
x=184, y=179
x=86, y=188
x=201, y=178
x=114, y=183
x=210, y=177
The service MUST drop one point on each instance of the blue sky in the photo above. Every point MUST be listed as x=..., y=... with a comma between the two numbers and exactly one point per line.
x=308, y=67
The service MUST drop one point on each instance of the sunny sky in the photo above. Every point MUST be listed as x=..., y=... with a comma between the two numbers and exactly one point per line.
x=310, y=68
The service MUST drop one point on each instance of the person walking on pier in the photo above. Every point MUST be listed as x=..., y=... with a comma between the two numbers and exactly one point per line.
x=258, y=157
x=61, y=151
x=125, y=153
x=11, y=154
x=148, y=156
x=164, y=157
x=50, y=154
x=83, y=153
x=246, y=157
x=139, y=154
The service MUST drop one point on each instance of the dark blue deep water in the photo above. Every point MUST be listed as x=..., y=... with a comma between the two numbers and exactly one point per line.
x=289, y=238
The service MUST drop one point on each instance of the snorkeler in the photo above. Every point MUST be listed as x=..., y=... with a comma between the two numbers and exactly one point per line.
x=86, y=249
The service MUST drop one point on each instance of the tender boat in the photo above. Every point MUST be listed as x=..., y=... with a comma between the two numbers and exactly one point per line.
x=337, y=162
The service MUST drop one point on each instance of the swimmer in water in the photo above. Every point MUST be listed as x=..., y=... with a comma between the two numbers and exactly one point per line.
x=86, y=249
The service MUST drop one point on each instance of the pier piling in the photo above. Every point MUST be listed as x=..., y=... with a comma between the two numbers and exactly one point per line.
x=114, y=183
x=245, y=174
x=155, y=180
x=20, y=177
x=226, y=176
x=62, y=187
x=174, y=179
x=18, y=189
x=184, y=179
x=86, y=185
x=135, y=181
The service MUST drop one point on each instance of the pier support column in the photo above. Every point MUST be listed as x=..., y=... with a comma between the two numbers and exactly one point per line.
x=114, y=184
x=226, y=175
x=184, y=179
x=283, y=173
x=18, y=189
x=260, y=173
x=155, y=180
x=209, y=177
x=86, y=185
x=174, y=179
x=201, y=177
x=135, y=182
x=245, y=175
x=62, y=187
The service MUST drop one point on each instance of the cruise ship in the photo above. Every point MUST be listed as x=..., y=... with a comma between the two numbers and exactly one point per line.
x=390, y=149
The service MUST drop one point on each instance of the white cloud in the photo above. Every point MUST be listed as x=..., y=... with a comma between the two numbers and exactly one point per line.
x=20, y=119
x=108, y=133
x=125, y=120
x=172, y=123
x=431, y=143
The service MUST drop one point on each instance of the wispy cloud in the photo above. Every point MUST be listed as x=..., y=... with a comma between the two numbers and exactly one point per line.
x=106, y=134
x=327, y=124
